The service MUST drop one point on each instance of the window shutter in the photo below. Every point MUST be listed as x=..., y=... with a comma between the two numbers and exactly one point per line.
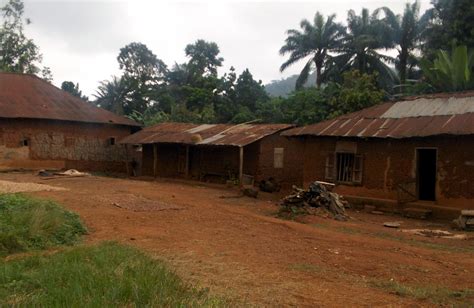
x=278, y=157
x=357, y=171
x=329, y=170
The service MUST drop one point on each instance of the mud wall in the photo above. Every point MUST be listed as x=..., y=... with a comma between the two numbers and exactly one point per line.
x=292, y=171
x=390, y=162
x=38, y=144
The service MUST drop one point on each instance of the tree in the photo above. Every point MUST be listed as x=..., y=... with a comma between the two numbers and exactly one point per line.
x=366, y=36
x=358, y=91
x=113, y=96
x=203, y=58
x=406, y=34
x=305, y=106
x=73, y=89
x=46, y=74
x=313, y=43
x=141, y=83
x=452, y=24
x=248, y=92
x=450, y=71
x=140, y=63
x=17, y=53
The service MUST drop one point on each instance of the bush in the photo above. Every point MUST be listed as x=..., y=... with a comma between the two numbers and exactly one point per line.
x=107, y=275
x=28, y=224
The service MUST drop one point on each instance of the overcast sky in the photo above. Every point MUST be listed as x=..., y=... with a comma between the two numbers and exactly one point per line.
x=80, y=40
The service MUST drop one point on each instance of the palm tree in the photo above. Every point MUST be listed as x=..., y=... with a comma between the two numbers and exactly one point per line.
x=315, y=41
x=112, y=95
x=366, y=36
x=406, y=33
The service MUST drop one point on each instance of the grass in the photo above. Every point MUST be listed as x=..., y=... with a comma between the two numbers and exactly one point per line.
x=28, y=224
x=105, y=275
x=434, y=294
x=291, y=212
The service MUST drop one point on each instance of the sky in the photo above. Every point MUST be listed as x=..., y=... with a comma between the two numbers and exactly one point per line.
x=80, y=39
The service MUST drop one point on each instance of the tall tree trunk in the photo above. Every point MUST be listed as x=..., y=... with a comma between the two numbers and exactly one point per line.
x=403, y=65
x=318, y=75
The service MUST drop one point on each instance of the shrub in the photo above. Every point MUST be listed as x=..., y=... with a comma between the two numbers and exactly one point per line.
x=27, y=223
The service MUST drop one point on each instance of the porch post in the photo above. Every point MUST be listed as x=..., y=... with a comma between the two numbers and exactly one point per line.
x=155, y=159
x=186, y=171
x=241, y=164
x=126, y=160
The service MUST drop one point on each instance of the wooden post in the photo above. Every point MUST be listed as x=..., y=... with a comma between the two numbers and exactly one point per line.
x=126, y=160
x=186, y=171
x=155, y=159
x=241, y=164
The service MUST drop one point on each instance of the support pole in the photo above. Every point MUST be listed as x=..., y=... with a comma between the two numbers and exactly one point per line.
x=186, y=171
x=241, y=164
x=155, y=159
x=126, y=160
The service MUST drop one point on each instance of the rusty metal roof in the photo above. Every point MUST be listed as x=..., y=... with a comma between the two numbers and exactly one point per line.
x=204, y=134
x=440, y=114
x=30, y=97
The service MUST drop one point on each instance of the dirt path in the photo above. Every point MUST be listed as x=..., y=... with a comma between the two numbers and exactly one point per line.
x=238, y=249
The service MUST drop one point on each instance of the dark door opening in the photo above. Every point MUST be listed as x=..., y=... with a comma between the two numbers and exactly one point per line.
x=426, y=174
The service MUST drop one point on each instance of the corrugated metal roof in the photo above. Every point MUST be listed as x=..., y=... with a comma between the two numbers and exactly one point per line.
x=204, y=134
x=30, y=97
x=450, y=114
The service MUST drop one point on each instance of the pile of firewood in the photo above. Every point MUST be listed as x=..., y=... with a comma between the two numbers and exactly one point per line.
x=318, y=196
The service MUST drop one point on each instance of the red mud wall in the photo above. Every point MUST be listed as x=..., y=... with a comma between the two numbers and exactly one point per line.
x=292, y=171
x=60, y=144
x=387, y=163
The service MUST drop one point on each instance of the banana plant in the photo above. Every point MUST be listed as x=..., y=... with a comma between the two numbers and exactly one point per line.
x=450, y=71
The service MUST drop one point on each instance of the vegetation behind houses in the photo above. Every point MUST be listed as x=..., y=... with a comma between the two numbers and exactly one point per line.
x=433, y=52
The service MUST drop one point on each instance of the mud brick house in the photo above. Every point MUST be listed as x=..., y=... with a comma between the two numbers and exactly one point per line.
x=419, y=151
x=42, y=126
x=216, y=152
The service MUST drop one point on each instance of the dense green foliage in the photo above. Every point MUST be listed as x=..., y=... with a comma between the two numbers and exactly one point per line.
x=450, y=71
x=73, y=89
x=452, y=24
x=108, y=275
x=18, y=53
x=28, y=224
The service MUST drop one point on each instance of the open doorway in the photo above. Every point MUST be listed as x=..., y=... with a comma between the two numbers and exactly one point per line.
x=426, y=173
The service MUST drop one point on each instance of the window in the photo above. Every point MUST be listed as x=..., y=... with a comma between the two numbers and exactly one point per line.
x=344, y=168
x=138, y=147
x=112, y=141
x=278, y=157
x=25, y=142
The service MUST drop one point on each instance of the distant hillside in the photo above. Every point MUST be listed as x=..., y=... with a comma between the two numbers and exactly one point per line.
x=285, y=86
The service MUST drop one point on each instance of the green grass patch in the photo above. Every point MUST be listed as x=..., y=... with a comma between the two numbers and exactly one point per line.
x=28, y=223
x=291, y=212
x=434, y=294
x=96, y=276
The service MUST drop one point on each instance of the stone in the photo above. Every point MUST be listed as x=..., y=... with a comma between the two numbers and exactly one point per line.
x=392, y=224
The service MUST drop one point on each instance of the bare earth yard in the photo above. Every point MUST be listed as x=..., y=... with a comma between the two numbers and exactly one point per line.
x=240, y=250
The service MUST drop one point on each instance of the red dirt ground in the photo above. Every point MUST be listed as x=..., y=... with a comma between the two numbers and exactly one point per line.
x=240, y=250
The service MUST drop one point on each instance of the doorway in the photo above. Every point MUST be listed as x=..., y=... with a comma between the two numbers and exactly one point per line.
x=426, y=173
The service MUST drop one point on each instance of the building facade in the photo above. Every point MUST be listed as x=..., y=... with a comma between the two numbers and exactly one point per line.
x=420, y=150
x=218, y=152
x=43, y=127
